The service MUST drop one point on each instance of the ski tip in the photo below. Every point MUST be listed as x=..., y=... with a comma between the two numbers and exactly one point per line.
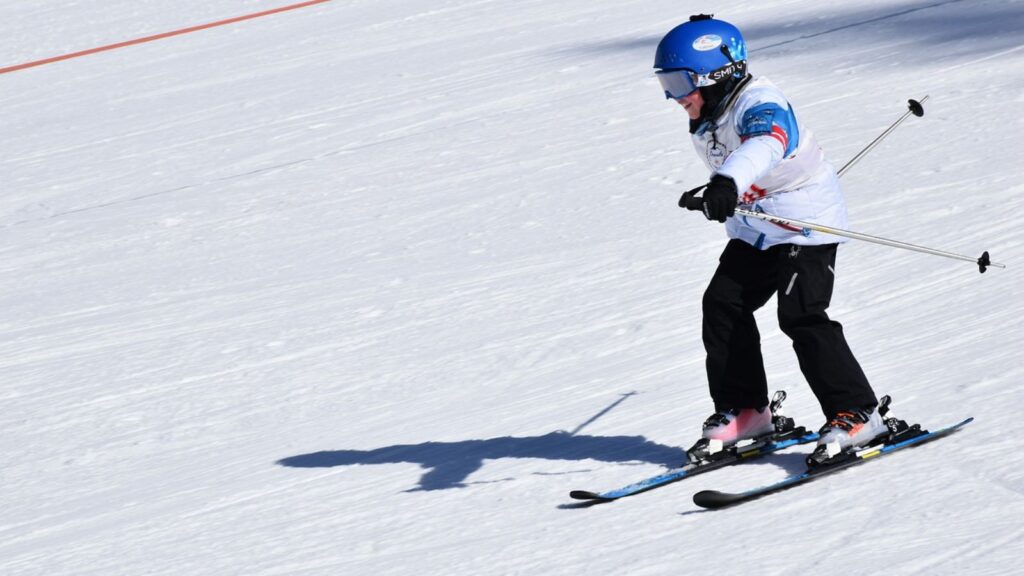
x=587, y=495
x=714, y=499
x=963, y=423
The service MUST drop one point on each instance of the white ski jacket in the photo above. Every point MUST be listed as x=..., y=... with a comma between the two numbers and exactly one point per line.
x=777, y=166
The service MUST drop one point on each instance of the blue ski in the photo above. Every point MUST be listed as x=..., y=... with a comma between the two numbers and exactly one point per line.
x=733, y=456
x=715, y=499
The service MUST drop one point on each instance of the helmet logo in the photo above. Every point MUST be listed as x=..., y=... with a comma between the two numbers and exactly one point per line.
x=735, y=69
x=707, y=42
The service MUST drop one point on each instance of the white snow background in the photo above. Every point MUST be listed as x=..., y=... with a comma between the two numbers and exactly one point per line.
x=368, y=287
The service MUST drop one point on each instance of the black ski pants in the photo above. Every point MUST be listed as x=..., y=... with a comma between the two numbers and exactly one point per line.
x=802, y=276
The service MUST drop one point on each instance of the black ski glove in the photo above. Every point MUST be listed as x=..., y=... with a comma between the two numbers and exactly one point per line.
x=720, y=198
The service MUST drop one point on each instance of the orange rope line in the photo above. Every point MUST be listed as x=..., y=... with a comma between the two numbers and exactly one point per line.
x=159, y=36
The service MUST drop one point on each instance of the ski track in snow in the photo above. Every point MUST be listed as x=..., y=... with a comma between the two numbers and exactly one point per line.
x=368, y=287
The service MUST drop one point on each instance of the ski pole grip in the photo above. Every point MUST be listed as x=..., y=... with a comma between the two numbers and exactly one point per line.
x=691, y=201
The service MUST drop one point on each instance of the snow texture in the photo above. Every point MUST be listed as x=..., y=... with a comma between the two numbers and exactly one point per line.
x=368, y=287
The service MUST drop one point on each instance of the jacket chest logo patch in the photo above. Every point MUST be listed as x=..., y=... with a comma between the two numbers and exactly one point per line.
x=716, y=153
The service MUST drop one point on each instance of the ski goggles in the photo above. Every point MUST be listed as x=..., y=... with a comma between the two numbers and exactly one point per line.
x=679, y=83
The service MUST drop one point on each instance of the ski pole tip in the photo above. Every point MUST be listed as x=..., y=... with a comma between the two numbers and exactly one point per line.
x=915, y=107
x=985, y=262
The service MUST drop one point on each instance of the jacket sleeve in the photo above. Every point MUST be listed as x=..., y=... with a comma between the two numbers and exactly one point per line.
x=768, y=134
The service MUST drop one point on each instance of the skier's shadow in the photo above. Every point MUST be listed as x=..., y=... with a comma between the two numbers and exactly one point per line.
x=449, y=464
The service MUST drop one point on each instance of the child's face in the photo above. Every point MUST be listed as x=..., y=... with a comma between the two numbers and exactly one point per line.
x=692, y=103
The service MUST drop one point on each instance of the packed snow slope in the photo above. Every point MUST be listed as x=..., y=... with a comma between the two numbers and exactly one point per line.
x=368, y=287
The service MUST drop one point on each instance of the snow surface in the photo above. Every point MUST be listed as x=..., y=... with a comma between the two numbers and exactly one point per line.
x=368, y=287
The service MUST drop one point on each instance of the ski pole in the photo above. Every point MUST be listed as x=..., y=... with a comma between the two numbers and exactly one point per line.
x=691, y=201
x=915, y=108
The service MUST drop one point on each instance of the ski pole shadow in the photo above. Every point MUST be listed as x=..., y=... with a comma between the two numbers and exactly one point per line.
x=449, y=464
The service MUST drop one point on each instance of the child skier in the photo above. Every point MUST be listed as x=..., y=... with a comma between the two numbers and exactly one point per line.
x=761, y=157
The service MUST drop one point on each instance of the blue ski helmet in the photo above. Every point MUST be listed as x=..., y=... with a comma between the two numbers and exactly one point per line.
x=698, y=53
